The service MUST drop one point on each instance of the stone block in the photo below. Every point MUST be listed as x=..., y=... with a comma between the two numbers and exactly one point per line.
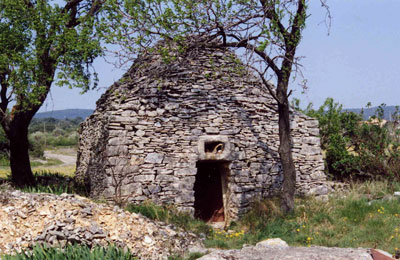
x=117, y=150
x=166, y=178
x=185, y=198
x=186, y=172
x=310, y=150
x=311, y=123
x=136, y=160
x=154, y=158
x=144, y=178
x=140, y=133
x=312, y=140
x=132, y=189
x=211, y=130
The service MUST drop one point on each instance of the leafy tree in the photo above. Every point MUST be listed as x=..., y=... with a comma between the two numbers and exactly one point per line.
x=41, y=43
x=356, y=149
x=269, y=32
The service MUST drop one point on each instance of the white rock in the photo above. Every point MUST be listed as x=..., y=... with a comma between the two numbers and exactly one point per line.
x=272, y=242
x=148, y=240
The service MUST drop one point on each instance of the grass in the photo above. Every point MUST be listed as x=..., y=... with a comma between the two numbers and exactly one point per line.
x=53, y=165
x=367, y=215
x=170, y=215
x=79, y=252
x=51, y=182
x=49, y=162
x=363, y=218
x=68, y=171
x=191, y=256
x=75, y=252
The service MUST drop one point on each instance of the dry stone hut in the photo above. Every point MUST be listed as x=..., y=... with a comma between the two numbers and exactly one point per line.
x=197, y=131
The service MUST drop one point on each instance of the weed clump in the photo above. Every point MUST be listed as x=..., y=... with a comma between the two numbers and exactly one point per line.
x=75, y=252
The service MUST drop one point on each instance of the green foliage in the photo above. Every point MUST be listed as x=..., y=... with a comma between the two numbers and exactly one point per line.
x=44, y=133
x=191, y=256
x=42, y=42
x=56, y=138
x=4, y=144
x=181, y=21
x=344, y=220
x=4, y=160
x=51, y=124
x=75, y=252
x=52, y=132
x=36, y=149
x=355, y=148
x=41, y=34
x=55, y=183
x=171, y=216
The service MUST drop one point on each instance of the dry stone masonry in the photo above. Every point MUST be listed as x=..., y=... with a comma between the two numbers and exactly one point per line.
x=196, y=130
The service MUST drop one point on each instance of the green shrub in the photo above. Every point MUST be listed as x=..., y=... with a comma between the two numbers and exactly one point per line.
x=55, y=132
x=355, y=149
x=64, y=140
x=4, y=160
x=75, y=252
x=36, y=150
x=54, y=139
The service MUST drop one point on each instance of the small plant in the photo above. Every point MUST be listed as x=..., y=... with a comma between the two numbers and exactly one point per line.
x=191, y=256
x=75, y=252
x=55, y=183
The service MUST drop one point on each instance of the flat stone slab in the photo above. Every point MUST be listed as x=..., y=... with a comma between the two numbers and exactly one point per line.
x=290, y=253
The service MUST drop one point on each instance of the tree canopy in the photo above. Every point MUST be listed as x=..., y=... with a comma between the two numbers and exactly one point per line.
x=40, y=39
x=41, y=42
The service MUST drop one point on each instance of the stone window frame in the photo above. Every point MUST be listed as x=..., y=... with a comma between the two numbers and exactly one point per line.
x=224, y=155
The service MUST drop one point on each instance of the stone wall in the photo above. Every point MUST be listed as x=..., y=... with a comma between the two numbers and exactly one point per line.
x=149, y=129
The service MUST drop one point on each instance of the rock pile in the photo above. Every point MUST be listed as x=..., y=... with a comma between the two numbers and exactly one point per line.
x=27, y=219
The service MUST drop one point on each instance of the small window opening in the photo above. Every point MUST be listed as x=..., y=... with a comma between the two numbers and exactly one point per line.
x=214, y=147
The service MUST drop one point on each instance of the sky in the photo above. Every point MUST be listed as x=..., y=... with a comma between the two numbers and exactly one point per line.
x=356, y=61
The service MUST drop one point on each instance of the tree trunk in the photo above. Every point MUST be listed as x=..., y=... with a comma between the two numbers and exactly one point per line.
x=21, y=173
x=285, y=153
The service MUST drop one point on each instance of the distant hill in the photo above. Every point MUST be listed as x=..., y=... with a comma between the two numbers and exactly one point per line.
x=65, y=114
x=368, y=112
x=74, y=113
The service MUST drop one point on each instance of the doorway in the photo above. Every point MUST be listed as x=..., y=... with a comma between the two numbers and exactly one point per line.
x=210, y=190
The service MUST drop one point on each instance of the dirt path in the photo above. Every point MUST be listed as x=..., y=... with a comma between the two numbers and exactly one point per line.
x=68, y=157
